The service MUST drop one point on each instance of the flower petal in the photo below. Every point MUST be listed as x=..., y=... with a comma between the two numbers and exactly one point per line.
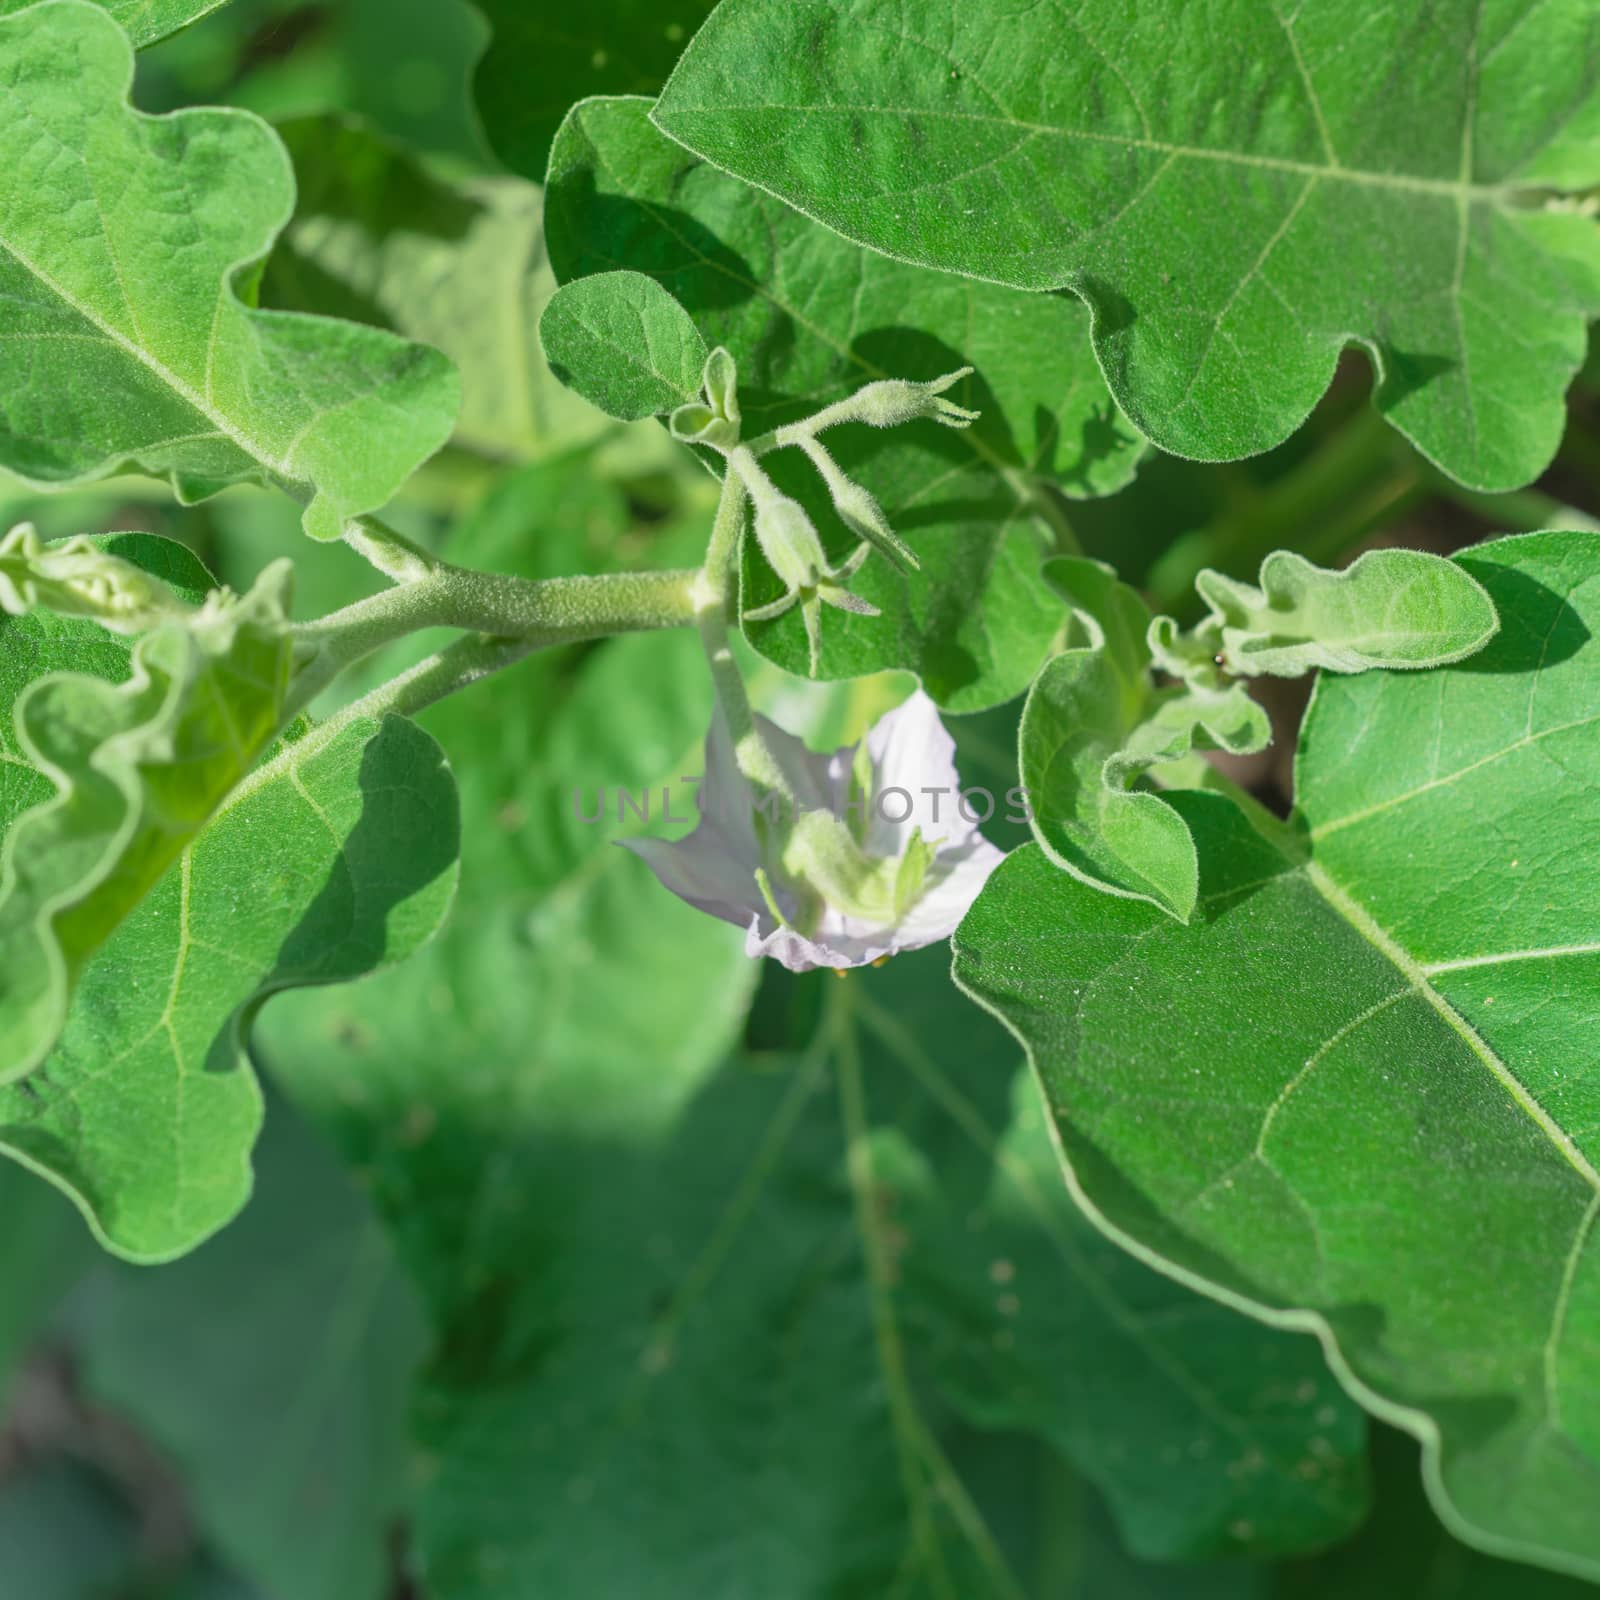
x=701, y=869
x=953, y=885
x=913, y=753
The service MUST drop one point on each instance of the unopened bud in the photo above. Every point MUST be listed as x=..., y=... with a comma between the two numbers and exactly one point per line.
x=789, y=541
x=689, y=422
x=895, y=400
x=857, y=509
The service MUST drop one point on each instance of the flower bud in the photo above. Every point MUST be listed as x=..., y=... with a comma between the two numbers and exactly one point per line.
x=689, y=422
x=895, y=400
x=789, y=541
x=858, y=511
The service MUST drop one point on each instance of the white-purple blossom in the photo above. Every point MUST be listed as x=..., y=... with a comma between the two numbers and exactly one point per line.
x=898, y=794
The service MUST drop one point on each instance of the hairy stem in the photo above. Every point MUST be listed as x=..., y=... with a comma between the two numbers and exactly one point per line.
x=394, y=555
x=715, y=591
x=1520, y=511
x=441, y=674
x=531, y=613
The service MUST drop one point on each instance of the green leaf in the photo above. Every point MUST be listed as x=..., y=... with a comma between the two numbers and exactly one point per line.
x=659, y=1263
x=273, y=1368
x=461, y=266
x=1389, y=608
x=1376, y=1115
x=1094, y=724
x=130, y=342
x=137, y=769
x=1403, y=1550
x=810, y=318
x=144, y=21
x=333, y=858
x=622, y=342
x=542, y=59
x=1239, y=193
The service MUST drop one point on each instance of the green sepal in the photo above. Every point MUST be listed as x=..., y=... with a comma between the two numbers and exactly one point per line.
x=913, y=871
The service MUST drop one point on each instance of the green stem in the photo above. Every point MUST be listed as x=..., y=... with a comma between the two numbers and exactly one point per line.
x=441, y=674
x=880, y=1300
x=1521, y=511
x=394, y=555
x=411, y=691
x=714, y=593
x=1361, y=460
x=532, y=613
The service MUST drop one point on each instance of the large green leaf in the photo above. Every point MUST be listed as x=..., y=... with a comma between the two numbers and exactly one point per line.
x=273, y=1368
x=334, y=857
x=808, y=318
x=752, y=1313
x=144, y=21
x=458, y=265
x=1238, y=190
x=64, y=1534
x=132, y=773
x=541, y=59
x=127, y=246
x=1357, y=1093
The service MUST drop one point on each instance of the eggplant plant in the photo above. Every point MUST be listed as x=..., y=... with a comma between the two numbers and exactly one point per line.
x=1060, y=543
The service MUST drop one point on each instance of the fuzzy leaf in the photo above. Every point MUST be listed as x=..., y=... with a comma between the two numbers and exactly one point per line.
x=127, y=246
x=144, y=21
x=1094, y=724
x=460, y=265
x=1389, y=608
x=1239, y=191
x=137, y=770
x=810, y=318
x=1374, y=1067
x=335, y=857
x=622, y=342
